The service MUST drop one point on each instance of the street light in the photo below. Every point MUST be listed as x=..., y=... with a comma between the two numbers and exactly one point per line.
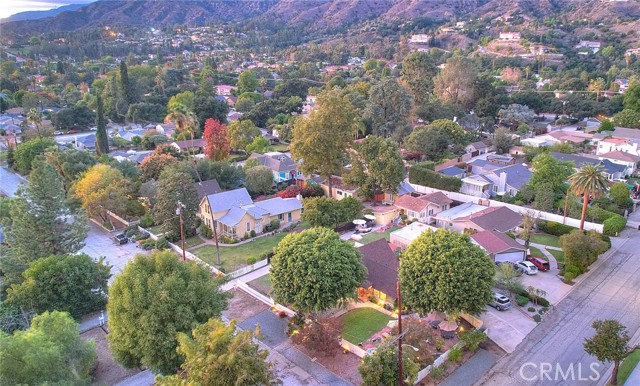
x=179, y=212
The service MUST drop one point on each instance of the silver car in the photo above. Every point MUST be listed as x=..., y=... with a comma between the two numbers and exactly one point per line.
x=500, y=302
x=526, y=267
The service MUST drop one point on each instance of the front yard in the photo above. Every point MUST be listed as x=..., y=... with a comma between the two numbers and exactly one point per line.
x=235, y=257
x=559, y=255
x=359, y=324
x=545, y=239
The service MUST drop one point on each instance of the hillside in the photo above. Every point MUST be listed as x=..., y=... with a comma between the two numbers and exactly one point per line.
x=35, y=15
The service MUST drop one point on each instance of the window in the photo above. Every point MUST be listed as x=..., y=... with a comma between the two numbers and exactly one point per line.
x=248, y=227
x=339, y=192
x=495, y=188
x=430, y=212
x=289, y=217
x=281, y=217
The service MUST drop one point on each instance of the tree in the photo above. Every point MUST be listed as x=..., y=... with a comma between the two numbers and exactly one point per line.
x=125, y=83
x=247, y=82
x=597, y=85
x=628, y=118
x=259, y=145
x=217, y=355
x=388, y=109
x=241, y=134
x=259, y=180
x=321, y=139
x=435, y=271
x=170, y=297
x=545, y=197
x=102, y=142
x=502, y=140
x=314, y=270
x=215, y=135
x=228, y=176
x=171, y=189
x=102, y=189
x=632, y=97
x=42, y=224
x=589, y=181
x=322, y=335
x=455, y=82
x=381, y=367
x=621, y=194
x=418, y=70
x=508, y=278
x=70, y=163
x=609, y=344
x=153, y=165
x=377, y=166
x=581, y=249
x=72, y=283
x=329, y=212
x=549, y=171
x=26, y=152
x=516, y=114
x=75, y=117
x=49, y=352
x=431, y=142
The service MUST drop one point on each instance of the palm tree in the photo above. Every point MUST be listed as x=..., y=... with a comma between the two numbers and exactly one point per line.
x=186, y=122
x=589, y=180
x=596, y=85
x=35, y=118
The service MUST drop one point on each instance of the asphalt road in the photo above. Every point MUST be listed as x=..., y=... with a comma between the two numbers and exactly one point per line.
x=9, y=182
x=609, y=292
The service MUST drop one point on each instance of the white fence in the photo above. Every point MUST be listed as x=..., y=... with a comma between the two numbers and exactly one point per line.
x=519, y=209
x=249, y=268
x=422, y=374
x=353, y=348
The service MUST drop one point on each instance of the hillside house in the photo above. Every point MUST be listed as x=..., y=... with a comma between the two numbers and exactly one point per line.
x=477, y=148
x=509, y=36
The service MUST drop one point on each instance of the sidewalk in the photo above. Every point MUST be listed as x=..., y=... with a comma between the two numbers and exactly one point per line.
x=634, y=378
x=246, y=278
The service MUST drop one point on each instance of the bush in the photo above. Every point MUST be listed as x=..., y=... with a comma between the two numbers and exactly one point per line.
x=422, y=174
x=131, y=230
x=607, y=240
x=439, y=343
x=135, y=208
x=537, y=318
x=614, y=225
x=472, y=339
x=554, y=228
x=437, y=372
x=162, y=243
x=251, y=260
x=205, y=231
x=252, y=233
x=142, y=236
x=522, y=300
x=543, y=302
x=272, y=226
x=146, y=221
x=455, y=354
x=531, y=309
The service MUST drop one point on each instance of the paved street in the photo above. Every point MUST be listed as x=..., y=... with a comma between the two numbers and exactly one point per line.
x=610, y=291
x=9, y=182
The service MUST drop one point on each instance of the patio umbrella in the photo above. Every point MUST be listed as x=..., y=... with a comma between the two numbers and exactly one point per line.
x=392, y=323
x=435, y=315
x=448, y=326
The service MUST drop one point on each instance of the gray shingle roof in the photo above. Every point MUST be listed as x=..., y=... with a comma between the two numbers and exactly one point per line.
x=452, y=171
x=233, y=216
x=517, y=175
x=206, y=188
x=276, y=206
x=279, y=163
x=226, y=200
x=579, y=161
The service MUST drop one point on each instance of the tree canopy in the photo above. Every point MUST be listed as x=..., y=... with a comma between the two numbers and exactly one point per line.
x=609, y=344
x=171, y=189
x=101, y=189
x=259, y=179
x=381, y=367
x=389, y=108
x=217, y=144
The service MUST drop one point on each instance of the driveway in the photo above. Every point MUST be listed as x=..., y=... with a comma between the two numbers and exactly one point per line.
x=507, y=328
x=550, y=282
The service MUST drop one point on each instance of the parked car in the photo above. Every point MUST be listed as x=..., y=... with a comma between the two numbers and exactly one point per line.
x=500, y=302
x=526, y=267
x=541, y=264
x=120, y=239
x=57, y=133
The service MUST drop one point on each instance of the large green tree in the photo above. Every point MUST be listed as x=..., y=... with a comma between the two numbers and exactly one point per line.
x=377, y=166
x=219, y=355
x=418, y=70
x=329, y=212
x=389, y=109
x=314, y=270
x=171, y=189
x=70, y=163
x=456, y=82
x=73, y=283
x=102, y=141
x=446, y=272
x=241, y=133
x=26, y=152
x=609, y=344
x=247, y=82
x=259, y=180
x=320, y=141
x=430, y=141
x=551, y=172
x=49, y=352
x=381, y=367
x=151, y=301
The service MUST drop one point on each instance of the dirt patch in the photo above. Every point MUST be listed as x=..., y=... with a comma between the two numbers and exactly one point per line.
x=243, y=306
x=107, y=371
x=344, y=365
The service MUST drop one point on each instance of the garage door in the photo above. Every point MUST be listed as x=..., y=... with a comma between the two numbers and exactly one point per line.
x=510, y=256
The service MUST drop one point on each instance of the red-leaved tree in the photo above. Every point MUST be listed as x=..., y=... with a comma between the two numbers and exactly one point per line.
x=215, y=136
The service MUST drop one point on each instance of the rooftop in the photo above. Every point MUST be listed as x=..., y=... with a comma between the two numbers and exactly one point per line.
x=412, y=231
x=382, y=266
x=459, y=211
x=495, y=242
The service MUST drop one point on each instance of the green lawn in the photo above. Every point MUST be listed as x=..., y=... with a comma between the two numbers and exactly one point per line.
x=545, y=239
x=155, y=230
x=559, y=255
x=262, y=284
x=627, y=366
x=358, y=325
x=235, y=257
x=373, y=236
x=281, y=147
x=536, y=252
x=192, y=241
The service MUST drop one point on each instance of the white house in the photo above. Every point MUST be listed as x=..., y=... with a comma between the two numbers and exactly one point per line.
x=629, y=161
x=510, y=36
x=624, y=145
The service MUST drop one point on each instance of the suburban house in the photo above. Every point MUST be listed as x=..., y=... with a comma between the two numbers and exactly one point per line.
x=403, y=188
x=472, y=217
x=423, y=207
x=499, y=246
x=339, y=189
x=190, y=145
x=206, y=188
x=612, y=170
x=224, y=90
x=481, y=166
x=590, y=45
x=382, y=271
x=405, y=236
x=476, y=185
x=235, y=214
x=509, y=36
x=86, y=142
x=508, y=180
x=625, y=145
x=453, y=171
x=477, y=148
x=283, y=167
x=630, y=161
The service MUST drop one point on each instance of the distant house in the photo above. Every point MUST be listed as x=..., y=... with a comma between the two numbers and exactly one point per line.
x=612, y=170
x=235, y=214
x=623, y=85
x=87, y=142
x=206, y=188
x=224, y=89
x=453, y=171
x=339, y=189
x=629, y=161
x=188, y=145
x=382, y=271
x=499, y=246
x=510, y=36
x=625, y=145
x=587, y=45
x=476, y=185
x=478, y=218
x=403, y=188
x=508, y=180
x=283, y=167
x=481, y=166
x=423, y=207
x=477, y=148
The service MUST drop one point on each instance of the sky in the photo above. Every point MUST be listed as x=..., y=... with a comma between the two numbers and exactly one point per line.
x=10, y=7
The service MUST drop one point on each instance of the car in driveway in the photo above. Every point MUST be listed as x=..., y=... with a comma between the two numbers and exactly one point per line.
x=541, y=264
x=526, y=267
x=500, y=302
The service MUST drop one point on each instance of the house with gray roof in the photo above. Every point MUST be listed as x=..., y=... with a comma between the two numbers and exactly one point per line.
x=612, y=170
x=453, y=171
x=283, y=167
x=236, y=215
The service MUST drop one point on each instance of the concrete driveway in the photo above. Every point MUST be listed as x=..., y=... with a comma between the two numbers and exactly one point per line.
x=507, y=328
x=550, y=282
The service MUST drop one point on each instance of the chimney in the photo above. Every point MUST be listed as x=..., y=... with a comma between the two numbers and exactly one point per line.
x=299, y=197
x=503, y=182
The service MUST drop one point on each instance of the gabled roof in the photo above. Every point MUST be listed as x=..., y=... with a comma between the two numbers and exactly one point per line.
x=190, y=144
x=478, y=145
x=452, y=171
x=460, y=211
x=437, y=198
x=499, y=218
x=278, y=162
x=495, y=242
x=409, y=202
x=623, y=132
x=405, y=188
x=382, y=266
x=579, y=161
x=621, y=156
x=277, y=205
x=233, y=216
x=517, y=175
x=226, y=200
x=206, y=188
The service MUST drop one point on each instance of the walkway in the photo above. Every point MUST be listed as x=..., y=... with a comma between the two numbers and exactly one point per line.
x=246, y=278
x=553, y=263
x=470, y=371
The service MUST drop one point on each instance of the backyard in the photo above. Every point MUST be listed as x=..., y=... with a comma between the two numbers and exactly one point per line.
x=262, y=284
x=359, y=324
x=373, y=236
x=235, y=257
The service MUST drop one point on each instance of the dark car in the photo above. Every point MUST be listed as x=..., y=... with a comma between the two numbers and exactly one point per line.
x=120, y=239
x=541, y=264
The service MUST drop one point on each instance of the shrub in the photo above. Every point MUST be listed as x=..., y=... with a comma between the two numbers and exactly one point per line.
x=131, y=230
x=205, y=231
x=146, y=221
x=537, y=318
x=251, y=260
x=554, y=228
x=614, y=225
x=135, y=209
x=142, y=236
x=543, y=302
x=455, y=354
x=522, y=300
x=422, y=174
x=252, y=233
x=162, y=243
x=439, y=343
x=607, y=240
x=472, y=339
x=272, y=226
x=437, y=372
x=531, y=309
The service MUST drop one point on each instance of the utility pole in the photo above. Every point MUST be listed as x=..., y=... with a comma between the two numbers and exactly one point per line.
x=400, y=376
x=179, y=212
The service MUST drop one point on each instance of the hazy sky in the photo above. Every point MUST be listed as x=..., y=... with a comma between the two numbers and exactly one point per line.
x=9, y=7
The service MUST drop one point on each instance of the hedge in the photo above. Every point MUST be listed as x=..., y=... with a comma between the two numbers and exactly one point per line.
x=421, y=174
x=614, y=225
x=554, y=228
